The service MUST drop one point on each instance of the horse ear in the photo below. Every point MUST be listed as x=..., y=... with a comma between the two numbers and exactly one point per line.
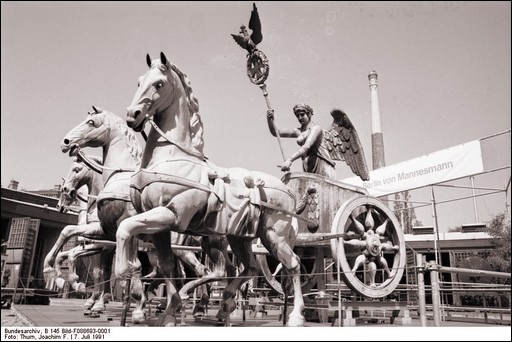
x=163, y=59
x=97, y=109
x=148, y=60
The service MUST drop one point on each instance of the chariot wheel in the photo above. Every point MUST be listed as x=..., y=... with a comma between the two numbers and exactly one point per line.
x=371, y=251
x=273, y=276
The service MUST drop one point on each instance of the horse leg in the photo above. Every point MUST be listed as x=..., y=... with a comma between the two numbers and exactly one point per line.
x=138, y=295
x=101, y=278
x=217, y=252
x=203, y=275
x=242, y=249
x=80, y=252
x=57, y=272
x=166, y=263
x=278, y=241
x=153, y=221
x=72, y=275
x=107, y=257
x=67, y=233
x=216, y=248
x=59, y=260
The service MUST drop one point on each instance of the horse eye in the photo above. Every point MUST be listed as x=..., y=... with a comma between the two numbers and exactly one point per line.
x=159, y=85
x=90, y=123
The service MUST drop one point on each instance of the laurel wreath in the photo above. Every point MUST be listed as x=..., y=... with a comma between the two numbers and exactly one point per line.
x=257, y=67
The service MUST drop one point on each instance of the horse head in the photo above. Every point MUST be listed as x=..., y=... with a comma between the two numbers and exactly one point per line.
x=101, y=128
x=92, y=132
x=164, y=92
x=78, y=176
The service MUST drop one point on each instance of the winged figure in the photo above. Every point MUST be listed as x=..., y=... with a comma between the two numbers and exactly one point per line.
x=245, y=40
x=343, y=144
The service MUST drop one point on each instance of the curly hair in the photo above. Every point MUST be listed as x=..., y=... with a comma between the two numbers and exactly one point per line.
x=303, y=107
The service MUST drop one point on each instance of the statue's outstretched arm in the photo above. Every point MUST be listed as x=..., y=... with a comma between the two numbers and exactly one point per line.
x=285, y=133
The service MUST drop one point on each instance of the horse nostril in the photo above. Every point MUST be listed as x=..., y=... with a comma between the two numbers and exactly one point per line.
x=66, y=141
x=136, y=113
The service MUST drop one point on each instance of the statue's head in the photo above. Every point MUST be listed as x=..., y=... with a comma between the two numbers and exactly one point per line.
x=302, y=107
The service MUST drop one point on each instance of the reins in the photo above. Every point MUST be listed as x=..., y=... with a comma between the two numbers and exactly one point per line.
x=178, y=145
x=97, y=167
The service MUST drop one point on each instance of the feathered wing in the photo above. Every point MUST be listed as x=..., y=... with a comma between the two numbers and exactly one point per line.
x=255, y=26
x=239, y=40
x=343, y=143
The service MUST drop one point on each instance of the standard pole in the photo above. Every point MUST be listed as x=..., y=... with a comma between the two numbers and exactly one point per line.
x=265, y=94
x=422, y=304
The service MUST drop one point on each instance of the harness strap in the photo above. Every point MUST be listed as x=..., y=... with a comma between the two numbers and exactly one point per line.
x=178, y=145
x=276, y=208
x=81, y=198
x=97, y=167
x=170, y=179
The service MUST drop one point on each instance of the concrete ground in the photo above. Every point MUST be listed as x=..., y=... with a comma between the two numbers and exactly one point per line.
x=70, y=314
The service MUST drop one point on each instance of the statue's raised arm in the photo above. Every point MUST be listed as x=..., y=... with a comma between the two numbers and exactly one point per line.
x=343, y=143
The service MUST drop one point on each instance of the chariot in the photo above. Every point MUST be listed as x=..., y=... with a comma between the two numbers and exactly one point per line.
x=357, y=234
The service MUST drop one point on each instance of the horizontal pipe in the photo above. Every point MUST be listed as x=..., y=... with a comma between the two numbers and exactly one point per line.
x=471, y=271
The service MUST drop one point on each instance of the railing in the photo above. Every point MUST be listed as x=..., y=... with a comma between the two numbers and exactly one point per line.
x=437, y=309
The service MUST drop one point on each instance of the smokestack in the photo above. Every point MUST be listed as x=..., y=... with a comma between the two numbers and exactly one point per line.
x=377, y=138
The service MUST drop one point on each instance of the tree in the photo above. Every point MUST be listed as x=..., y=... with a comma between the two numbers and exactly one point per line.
x=499, y=228
x=405, y=212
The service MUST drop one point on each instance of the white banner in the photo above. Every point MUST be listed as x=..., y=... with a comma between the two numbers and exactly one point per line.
x=454, y=162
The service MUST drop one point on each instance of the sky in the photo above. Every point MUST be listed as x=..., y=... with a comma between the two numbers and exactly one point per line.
x=444, y=79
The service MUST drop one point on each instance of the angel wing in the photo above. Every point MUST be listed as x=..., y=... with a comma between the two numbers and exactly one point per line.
x=343, y=143
x=255, y=26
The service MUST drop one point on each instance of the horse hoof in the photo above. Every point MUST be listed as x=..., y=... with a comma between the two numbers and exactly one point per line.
x=89, y=303
x=198, y=311
x=138, y=317
x=295, y=320
x=99, y=308
x=107, y=297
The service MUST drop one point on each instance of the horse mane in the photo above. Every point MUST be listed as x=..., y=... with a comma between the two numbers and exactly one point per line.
x=196, y=123
x=134, y=147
